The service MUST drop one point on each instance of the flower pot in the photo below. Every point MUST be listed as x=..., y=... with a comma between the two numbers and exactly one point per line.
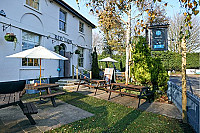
x=10, y=37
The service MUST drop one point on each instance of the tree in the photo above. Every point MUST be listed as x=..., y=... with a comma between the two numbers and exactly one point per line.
x=112, y=27
x=95, y=66
x=176, y=27
x=160, y=15
x=97, y=41
x=147, y=69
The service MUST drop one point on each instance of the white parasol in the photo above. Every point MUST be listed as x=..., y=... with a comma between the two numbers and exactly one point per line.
x=108, y=59
x=38, y=53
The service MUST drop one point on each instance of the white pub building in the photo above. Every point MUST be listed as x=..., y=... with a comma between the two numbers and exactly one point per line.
x=49, y=23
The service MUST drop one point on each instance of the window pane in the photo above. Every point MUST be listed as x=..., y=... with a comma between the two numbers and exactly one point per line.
x=33, y=3
x=29, y=40
x=24, y=62
x=30, y=62
x=62, y=21
x=61, y=26
x=62, y=16
x=36, y=62
x=80, y=57
x=81, y=26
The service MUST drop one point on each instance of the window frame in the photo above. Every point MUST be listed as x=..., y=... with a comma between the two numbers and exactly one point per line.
x=26, y=40
x=62, y=21
x=81, y=27
x=81, y=57
x=37, y=2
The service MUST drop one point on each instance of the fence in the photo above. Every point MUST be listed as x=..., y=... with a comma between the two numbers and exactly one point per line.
x=193, y=104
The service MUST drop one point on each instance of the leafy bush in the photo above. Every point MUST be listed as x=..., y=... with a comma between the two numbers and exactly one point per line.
x=172, y=61
x=147, y=69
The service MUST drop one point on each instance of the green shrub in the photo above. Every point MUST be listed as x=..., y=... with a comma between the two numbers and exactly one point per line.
x=147, y=69
x=95, y=67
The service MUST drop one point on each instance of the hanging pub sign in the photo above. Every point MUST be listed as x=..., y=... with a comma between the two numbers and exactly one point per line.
x=158, y=37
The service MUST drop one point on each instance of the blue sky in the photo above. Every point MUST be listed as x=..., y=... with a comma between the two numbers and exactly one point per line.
x=172, y=8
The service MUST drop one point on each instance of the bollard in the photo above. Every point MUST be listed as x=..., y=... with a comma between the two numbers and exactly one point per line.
x=72, y=71
x=90, y=74
x=77, y=72
x=80, y=74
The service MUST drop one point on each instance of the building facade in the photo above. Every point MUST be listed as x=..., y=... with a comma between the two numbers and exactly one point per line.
x=49, y=23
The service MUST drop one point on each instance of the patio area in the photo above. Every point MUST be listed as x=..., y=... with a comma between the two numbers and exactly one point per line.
x=12, y=118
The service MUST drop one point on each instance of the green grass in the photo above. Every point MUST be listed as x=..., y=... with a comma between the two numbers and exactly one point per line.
x=111, y=117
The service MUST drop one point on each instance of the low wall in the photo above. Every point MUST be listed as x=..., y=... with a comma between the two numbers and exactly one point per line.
x=174, y=93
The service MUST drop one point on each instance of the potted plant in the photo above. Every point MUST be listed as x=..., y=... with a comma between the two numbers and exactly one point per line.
x=10, y=37
x=77, y=51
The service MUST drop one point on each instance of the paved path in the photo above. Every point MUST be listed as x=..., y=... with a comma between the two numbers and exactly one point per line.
x=169, y=110
x=12, y=119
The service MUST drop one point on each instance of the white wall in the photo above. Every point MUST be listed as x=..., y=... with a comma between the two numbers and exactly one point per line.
x=45, y=23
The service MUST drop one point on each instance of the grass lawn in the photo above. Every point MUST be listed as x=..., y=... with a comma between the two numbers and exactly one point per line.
x=116, y=118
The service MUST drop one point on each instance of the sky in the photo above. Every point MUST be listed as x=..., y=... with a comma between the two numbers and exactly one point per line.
x=172, y=8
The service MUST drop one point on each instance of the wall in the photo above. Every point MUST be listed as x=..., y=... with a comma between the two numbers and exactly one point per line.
x=45, y=23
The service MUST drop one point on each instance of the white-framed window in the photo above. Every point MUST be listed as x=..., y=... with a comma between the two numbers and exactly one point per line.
x=80, y=57
x=62, y=20
x=81, y=26
x=29, y=40
x=33, y=3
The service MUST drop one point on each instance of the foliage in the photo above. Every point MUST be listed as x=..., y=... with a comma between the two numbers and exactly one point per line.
x=95, y=67
x=176, y=27
x=10, y=37
x=110, y=117
x=146, y=69
x=160, y=15
x=172, y=61
x=77, y=51
x=112, y=27
x=120, y=57
x=57, y=48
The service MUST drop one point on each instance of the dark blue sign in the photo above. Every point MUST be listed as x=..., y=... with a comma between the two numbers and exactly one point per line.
x=158, y=37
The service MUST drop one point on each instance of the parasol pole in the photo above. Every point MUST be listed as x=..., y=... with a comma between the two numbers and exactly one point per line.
x=40, y=71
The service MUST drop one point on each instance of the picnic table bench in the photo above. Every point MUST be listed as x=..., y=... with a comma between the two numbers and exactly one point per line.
x=11, y=93
x=48, y=88
x=96, y=84
x=52, y=97
x=144, y=91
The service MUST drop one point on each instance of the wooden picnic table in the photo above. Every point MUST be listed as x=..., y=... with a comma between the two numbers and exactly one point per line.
x=48, y=88
x=10, y=99
x=143, y=91
x=93, y=83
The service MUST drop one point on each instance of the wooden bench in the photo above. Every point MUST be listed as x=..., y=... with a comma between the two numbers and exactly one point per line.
x=82, y=82
x=28, y=109
x=10, y=99
x=144, y=91
x=52, y=97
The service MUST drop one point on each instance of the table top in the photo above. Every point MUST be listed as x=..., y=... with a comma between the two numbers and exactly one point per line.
x=38, y=87
x=9, y=99
x=98, y=81
x=129, y=86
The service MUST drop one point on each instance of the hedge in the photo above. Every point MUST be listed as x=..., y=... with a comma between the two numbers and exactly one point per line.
x=172, y=61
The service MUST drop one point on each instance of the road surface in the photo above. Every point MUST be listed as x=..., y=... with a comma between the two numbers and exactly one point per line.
x=193, y=82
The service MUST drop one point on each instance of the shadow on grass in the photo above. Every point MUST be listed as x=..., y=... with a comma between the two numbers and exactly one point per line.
x=112, y=117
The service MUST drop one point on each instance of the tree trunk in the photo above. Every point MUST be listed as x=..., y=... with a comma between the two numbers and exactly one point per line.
x=128, y=36
x=184, y=95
